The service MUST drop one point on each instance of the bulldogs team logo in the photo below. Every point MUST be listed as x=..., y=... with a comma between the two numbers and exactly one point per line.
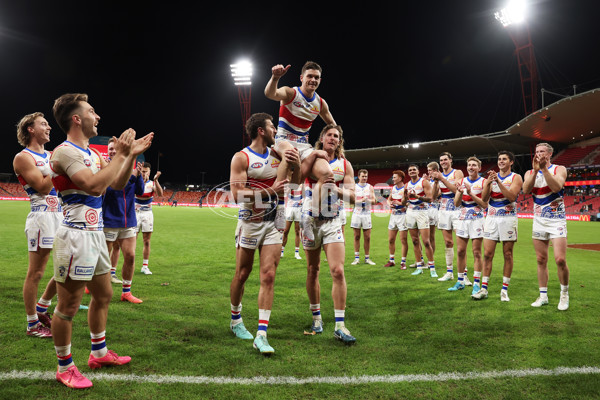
x=275, y=163
x=61, y=271
x=91, y=217
x=32, y=243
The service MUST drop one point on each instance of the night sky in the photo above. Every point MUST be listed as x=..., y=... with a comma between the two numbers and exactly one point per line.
x=392, y=74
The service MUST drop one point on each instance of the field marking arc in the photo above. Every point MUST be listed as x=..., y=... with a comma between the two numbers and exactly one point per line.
x=290, y=380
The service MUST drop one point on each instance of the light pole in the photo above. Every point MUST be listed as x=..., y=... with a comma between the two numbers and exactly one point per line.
x=242, y=78
x=513, y=19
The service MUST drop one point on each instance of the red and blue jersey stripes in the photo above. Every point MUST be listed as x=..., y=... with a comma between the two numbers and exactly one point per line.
x=547, y=204
x=334, y=203
x=469, y=208
x=397, y=194
x=297, y=116
x=499, y=205
x=362, y=195
x=294, y=198
x=144, y=202
x=81, y=209
x=40, y=202
x=417, y=188
x=447, y=197
x=261, y=173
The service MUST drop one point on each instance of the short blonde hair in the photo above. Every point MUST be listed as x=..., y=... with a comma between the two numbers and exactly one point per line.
x=434, y=166
x=473, y=158
x=547, y=145
x=23, y=135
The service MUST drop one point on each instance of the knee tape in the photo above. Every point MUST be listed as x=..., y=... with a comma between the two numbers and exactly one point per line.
x=62, y=316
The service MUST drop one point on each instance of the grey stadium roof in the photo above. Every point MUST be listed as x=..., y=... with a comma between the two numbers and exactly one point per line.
x=569, y=120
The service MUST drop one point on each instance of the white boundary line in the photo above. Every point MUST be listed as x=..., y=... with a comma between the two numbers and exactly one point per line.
x=290, y=380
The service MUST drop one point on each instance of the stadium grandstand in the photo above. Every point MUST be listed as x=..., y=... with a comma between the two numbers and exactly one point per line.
x=571, y=125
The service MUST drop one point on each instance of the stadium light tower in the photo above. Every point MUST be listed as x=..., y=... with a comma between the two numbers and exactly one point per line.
x=513, y=18
x=242, y=78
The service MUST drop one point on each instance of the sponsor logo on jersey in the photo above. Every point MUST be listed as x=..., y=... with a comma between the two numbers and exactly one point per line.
x=87, y=162
x=48, y=241
x=256, y=165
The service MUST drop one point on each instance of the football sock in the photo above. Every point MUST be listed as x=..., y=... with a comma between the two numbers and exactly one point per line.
x=99, y=344
x=263, y=321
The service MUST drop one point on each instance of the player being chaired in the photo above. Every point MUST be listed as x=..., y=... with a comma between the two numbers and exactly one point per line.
x=299, y=107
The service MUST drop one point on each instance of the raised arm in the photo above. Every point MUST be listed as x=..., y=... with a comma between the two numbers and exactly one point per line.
x=96, y=184
x=157, y=188
x=132, y=149
x=284, y=93
x=24, y=165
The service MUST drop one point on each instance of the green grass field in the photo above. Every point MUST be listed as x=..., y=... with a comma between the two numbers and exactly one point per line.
x=404, y=325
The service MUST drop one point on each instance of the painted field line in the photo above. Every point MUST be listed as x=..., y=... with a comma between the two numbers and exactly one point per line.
x=290, y=380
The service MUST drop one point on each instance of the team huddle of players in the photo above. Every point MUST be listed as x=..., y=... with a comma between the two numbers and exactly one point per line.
x=280, y=158
x=82, y=205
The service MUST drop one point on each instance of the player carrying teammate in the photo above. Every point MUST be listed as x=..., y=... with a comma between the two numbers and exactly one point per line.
x=328, y=234
x=254, y=186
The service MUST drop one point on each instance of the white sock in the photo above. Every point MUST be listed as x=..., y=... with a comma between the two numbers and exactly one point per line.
x=339, y=319
x=564, y=288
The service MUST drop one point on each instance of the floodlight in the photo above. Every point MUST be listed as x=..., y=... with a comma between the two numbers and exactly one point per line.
x=514, y=13
x=242, y=73
x=415, y=145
